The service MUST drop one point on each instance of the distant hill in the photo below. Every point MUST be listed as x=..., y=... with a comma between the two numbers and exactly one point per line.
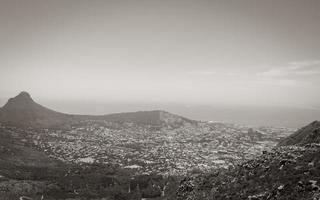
x=306, y=135
x=155, y=118
x=23, y=111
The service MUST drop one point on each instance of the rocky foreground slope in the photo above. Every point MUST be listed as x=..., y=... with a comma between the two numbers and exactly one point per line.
x=287, y=172
x=305, y=135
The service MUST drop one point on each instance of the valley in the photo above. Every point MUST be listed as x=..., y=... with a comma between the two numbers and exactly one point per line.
x=149, y=155
x=161, y=150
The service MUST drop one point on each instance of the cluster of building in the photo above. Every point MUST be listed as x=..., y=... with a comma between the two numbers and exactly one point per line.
x=162, y=149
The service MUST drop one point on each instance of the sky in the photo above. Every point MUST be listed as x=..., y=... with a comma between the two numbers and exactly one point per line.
x=217, y=52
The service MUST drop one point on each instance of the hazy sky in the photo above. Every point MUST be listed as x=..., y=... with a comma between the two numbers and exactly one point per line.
x=252, y=52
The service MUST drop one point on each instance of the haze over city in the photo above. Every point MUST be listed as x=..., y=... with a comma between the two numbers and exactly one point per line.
x=159, y=99
x=186, y=56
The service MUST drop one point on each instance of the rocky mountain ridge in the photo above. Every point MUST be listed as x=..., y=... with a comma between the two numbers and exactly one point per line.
x=23, y=111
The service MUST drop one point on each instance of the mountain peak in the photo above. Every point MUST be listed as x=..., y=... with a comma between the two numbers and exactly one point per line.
x=21, y=110
x=23, y=95
x=22, y=98
x=315, y=123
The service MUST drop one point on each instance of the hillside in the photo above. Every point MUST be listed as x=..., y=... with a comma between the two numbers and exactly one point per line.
x=154, y=118
x=24, y=170
x=306, y=135
x=286, y=172
x=23, y=111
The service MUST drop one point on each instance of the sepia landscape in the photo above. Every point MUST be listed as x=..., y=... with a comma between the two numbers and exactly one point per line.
x=159, y=100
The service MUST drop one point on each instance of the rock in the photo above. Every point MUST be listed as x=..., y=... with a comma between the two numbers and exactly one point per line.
x=314, y=185
x=281, y=187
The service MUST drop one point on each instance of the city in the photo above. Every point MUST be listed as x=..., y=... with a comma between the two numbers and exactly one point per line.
x=163, y=150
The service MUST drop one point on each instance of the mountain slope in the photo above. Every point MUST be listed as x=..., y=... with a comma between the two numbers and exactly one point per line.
x=24, y=169
x=289, y=171
x=284, y=173
x=22, y=111
x=154, y=118
x=306, y=135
